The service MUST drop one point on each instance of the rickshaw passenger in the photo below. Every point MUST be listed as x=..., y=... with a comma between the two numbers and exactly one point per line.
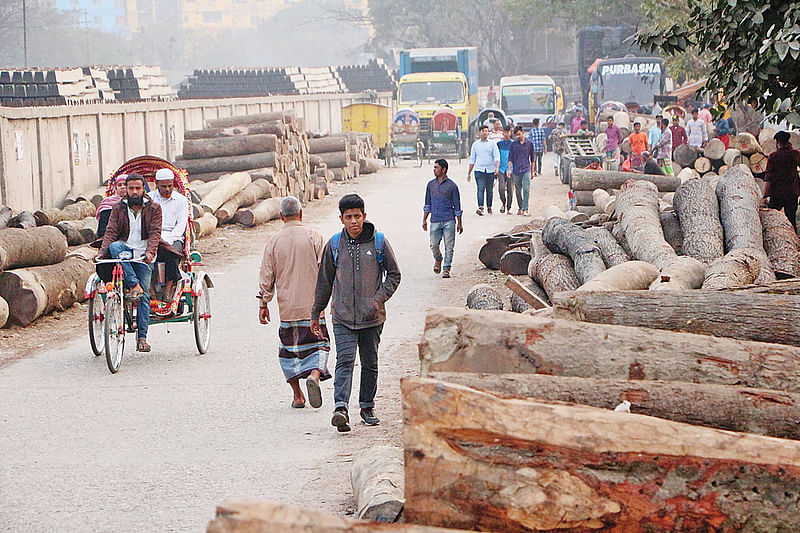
x=134, y=229
x=175, y=216
x=104, y=209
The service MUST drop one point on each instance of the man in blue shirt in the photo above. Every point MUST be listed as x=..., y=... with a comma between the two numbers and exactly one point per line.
x=443, y=204
x=485, y=159
x=537, y=137
x=520, y=157
x=654, y=133
x=505, y=185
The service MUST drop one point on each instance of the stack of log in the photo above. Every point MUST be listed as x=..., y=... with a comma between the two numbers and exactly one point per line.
x=343, y=156
x=714, y=160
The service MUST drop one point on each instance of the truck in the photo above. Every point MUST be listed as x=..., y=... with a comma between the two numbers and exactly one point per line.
x=524, y=98
x=431, y=78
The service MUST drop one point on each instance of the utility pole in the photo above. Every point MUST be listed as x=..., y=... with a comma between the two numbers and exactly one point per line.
x=25, y=33
x=86, y=31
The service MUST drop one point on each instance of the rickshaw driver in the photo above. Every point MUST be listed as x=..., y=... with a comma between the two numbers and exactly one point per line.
x=134, y=229
x=175, y=216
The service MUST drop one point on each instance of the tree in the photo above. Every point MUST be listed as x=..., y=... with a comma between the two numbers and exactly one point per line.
x=751, y=48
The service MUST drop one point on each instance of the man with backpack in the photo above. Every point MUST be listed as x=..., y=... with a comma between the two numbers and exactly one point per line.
x=360, y=270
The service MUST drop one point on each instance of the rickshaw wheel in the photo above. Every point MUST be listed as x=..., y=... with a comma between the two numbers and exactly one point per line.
x=202, y=318
x=97, y=325
x=114, y=331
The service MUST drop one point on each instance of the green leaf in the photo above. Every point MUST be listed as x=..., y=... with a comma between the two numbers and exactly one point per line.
x=782, y=49
x=758, y=18
x=793, y=118
x=732, y=3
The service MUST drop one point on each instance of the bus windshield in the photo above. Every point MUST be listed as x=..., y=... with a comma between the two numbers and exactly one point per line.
x=528, y=100
x=433, y=92
x=627, y=84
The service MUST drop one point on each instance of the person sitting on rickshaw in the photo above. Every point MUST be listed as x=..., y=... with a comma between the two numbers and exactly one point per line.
x=104, y=209
x=175, y=216
x=134, y=230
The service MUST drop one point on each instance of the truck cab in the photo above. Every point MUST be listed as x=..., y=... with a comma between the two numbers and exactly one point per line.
x=525, y=98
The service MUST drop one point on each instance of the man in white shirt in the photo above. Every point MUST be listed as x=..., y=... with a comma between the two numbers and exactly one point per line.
x=174, y=217
x=696, y=130
x=485, y=160
x=496, y=132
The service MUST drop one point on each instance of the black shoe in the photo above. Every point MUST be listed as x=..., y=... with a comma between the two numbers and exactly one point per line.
x=340, y=420
x=369, y=418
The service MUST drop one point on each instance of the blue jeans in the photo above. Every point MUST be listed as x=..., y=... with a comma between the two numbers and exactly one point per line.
x=366, y=341
x=446, y=230
x=485, y=182
x=133, y=274
x=522, y=183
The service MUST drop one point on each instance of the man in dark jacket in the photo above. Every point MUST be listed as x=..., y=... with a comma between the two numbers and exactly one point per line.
x=359, y=268
x=134, y=230
x=782, y=184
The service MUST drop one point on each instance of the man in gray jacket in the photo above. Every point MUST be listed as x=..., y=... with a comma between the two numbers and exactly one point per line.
x=359, y=267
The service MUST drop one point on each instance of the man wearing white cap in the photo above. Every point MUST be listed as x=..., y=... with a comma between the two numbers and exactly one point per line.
x=174, y=217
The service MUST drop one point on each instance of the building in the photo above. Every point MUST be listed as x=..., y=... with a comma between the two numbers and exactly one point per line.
x=141, y=14
x=106, y=15
x=228, y=14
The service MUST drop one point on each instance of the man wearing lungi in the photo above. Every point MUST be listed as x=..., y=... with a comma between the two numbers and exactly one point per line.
x=289, y=267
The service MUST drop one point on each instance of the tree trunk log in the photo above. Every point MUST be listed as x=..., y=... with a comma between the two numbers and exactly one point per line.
x=335, y=159
x=769, y=146
x=368, y=165
x=604, y=201
x=671, y=227
x=703, y=164
x=528, y=296
x=229, y=146
x=6, y=213
x=76, y=211
x=33, y=292
x=328, y=144
x=632, y=275
x=746, y=143
x=231, y=163
x=687, y=173
x=610, y=250
x=22, y=220
x=730, y=157
x=682, y=273
x=739, y=197
x=79, y=232
x=566, y=238
x=737, y=268
x=637, y=210
x=273, y=127
x=3, y=312
x=555, y=273
x=376, y=476
x=584, y=197
x=589, y=180
x=287, y=116
x=781, y=243
x=204, y=225
x=786, y=286
x=477, y=461
x=697, y=207
x=537, y=246
x=228, y=186
x=515, y=262
x=758, y=163
x=730, y=407
x=458, y=340
x=685, y=155
x=484, y=297
x=261, y=213
x=553, y=211
x=714, y=150
x=738, y=315
x=248, y=196
x=21, y=248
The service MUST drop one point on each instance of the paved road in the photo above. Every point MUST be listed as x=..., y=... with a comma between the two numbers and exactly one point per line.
x=158, y=445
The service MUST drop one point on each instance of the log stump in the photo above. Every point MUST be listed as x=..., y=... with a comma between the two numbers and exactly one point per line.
x=21, y=248
x=484, y=297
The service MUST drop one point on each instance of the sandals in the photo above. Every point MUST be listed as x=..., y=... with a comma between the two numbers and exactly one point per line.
x=142, y=346
x=298, y=405
x=314, y=393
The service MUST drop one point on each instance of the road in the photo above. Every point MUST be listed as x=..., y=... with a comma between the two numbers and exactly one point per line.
x=158, y=445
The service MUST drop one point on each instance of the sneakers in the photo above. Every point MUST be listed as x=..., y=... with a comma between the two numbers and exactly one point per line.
x=369, y=418
x=502, y=209
x=509, y=212
x=340, y=420
x=437, y=267
x=525, y=212
x=519, y=211
x=446, y=274
x=479, y=211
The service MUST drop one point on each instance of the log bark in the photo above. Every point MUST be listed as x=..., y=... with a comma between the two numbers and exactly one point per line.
x=22, y=220
x=555, y=273
x=553, y=211
x=564, y=237
x=584, y=197
x=228, y=186
x=376, y=477
x=637, y=210
x=738, y=315
x=730, y=407
x=781, y=243
x=229, y=146
x=458, y=340
x=537, y=246
x=6, y=213
x=256, y=118
x=722, y=170
x=204, y=225
x=76, y=211
x=632, y=275
x=671, y=227
x=515, y=262
x=248, y=196
x=589, y=180
x=21, y=248
x=714, y=150
x=687, y=173
x=737, y=268
x=610, y=250
x=475, y=460
x=758, y=163
x=231, y=163
x=577, y=217
x=682, y=273
x=273, y=127
x=369, y=165
x=739, y=197
x=524, y=297
x=697, y=207
x=35, y=291
x=484, y=297
x=3, y=312
x=746, y=143
x=335, y=159
x=492, y=252
x=685, y=155
x=604, y=201
x=79, y=232
x=261, y=213
x=730, y=157
x=328, y=144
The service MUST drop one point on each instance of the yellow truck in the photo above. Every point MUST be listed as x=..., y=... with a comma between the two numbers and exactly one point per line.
x=367, y=117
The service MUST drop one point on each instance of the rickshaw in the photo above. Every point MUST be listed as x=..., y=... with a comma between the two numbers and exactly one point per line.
x=445, y=134
x=112, y=314
x=483, y=117
x=405, y=142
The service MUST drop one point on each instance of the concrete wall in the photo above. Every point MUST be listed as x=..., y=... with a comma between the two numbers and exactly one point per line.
x=45, y=152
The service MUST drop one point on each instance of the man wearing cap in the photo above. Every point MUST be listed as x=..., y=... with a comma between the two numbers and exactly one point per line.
x=782, y=186
x=174, y=217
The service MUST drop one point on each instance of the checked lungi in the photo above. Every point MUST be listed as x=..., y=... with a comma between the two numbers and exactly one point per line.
x=301, y=351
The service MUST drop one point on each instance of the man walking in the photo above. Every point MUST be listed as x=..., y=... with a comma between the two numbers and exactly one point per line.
x=538, y=138
x=484, y=158
x=174, y=218
x=521, y=157
x=613, y=141
x=679, y=136
x=443, y=204
x=782, y=182
x=696, y=131
x=134, y=230
x=289, y=267
x=505, y=185
x=654, y=133
x=663, y=148
x=558, y=144
x=575, y=125
x=360, y=270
